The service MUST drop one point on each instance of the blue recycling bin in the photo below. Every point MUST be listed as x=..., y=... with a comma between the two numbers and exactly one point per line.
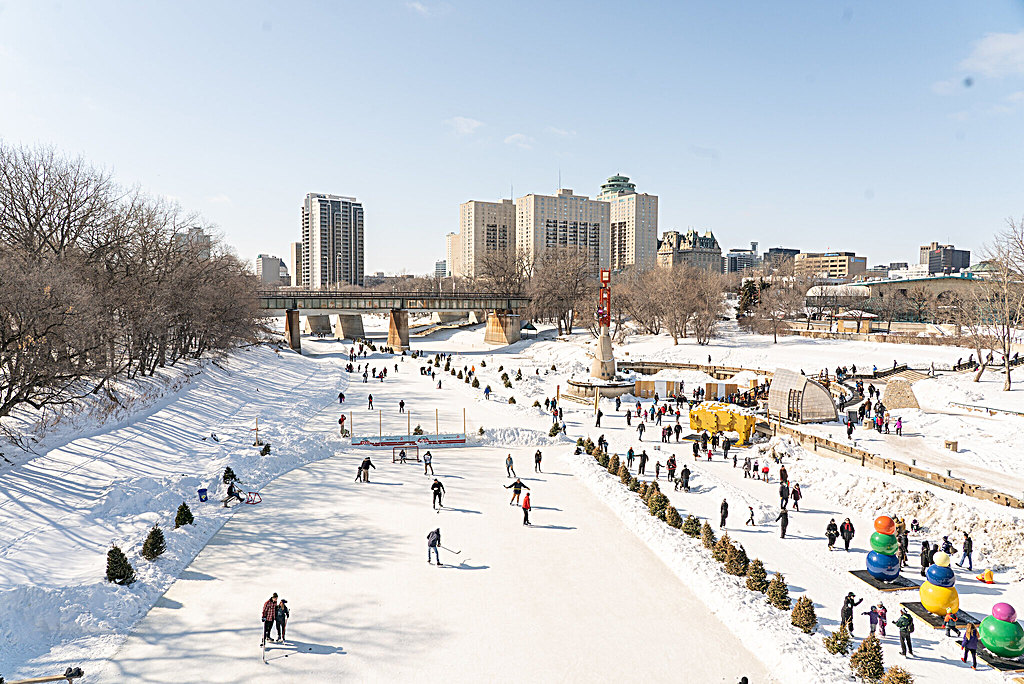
x=202, y=495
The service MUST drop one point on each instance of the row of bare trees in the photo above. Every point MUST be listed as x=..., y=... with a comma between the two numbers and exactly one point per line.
x=99, y=282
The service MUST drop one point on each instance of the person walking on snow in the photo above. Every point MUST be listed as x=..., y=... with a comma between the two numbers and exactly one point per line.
x=281, y=616
x=364, y=469
x=969, y=642
x=905, y=623
x=401, y=406
x=671, y=465
x=599, y=414
x=536, y=462
x=783, y=520
x=724, y=510
x=434, y=541
x=657, y=470
x=949, y=622
x=630, y=455
x=269, y=615
x=509, y=470
x=438, y=490
x=341, y=397
x=846, y=531
x=926, y=557
x=427, y=458
x=831, y=533
x=526, y=509
x=517, y=488
x=642, y=468
x=796, y=495
x=369, y=402
x=640, y=429
x=784, y=495
x=750, y=520
x=684, y=478
x=968, y=549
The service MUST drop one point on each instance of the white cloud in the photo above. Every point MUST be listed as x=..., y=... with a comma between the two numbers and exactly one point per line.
x=947, y=87
x=425, y=10
x=1016, y=97
x=418, y=7
x=520, y=140
x=219, y=199
x=997, y=55
x=559, y=132
x=463, y=125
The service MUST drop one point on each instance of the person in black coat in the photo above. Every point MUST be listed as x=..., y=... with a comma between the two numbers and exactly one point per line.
x=846, y=531
x=832, y=533
x=724, y=509
x=846, y=614
x=281, y=616
x=684, y=479
x=783, y=494
x=926, y=557
x=438, y=490
x=783, y=520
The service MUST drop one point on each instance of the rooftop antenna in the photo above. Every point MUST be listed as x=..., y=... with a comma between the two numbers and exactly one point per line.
x=559, y=180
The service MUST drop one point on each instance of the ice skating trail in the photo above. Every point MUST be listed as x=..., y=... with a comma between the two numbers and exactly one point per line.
x=574, y=597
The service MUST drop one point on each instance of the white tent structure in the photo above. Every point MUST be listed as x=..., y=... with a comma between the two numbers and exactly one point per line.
x=799, y=399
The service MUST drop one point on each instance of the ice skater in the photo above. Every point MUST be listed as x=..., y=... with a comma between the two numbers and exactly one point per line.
x=509, y=470
x=438, y=490
x=281, y=616
x=526, y=509
x=269, y=615
x=369, y=402
x=433, y=541
x=427, y=458
x=517, y=488
x=724, y=510
x=536, y=462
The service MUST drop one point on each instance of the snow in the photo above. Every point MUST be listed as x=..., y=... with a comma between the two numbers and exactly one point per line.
x=595, y=571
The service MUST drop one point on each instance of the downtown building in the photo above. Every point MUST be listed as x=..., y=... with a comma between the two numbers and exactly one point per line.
x=945, y=258
x=332, y=241
x=633, y=225
x=484, y=228
x=563, y=221
x=842, y=265
x=690, y=249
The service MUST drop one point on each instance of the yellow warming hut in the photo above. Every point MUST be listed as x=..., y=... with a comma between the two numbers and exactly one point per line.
x=717, y=416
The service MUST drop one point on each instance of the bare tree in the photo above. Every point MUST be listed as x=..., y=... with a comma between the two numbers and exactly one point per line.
x=504, y=272
x=779, y=302
x=563, y=281
x=971, y=315
x=1006, y=288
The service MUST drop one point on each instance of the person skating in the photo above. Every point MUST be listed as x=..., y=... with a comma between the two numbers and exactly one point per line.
x=428, y=463
x=438, y=489
x=640, y=429
x=341, y=397
x=905, y=624
x=696, y=450
x=526, y=509
x=968, y=549
x=969, y=642
x=536, y=462
x=726, y=445
x=434, y=541
x=750, y=520
x=600, y=413
x=846, y=531
x=642, y=468
x=517, y=488
x=724, y=511
x=281, y=615
x=832, y=533
x=365, y=468
x=369, y=402
x=401, y=406
x=269, y=615
x=783, y=519
x=796, y=495
x=630, y=455
x=509, y=470
x=657, y=470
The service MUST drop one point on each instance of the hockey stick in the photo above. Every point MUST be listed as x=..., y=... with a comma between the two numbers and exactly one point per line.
x=449, y=550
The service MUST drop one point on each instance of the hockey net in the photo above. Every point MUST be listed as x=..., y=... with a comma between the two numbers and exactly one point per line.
x=412, y=453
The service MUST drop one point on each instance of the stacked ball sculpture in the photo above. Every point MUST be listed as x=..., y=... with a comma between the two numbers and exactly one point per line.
x=882, y=562
x=938, y=593
x=1001, y=633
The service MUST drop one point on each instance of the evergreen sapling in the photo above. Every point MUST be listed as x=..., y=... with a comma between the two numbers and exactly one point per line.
x=707, y=536
x=673, y=518
x=757, y=578
x=839, y=641
x=803, y=615
x=778, y=592
x=184, y=516
x=154, y=544
x=691, y=526
x=736, y=562
x=119, y=570
x=897, y=675
x=866, y=661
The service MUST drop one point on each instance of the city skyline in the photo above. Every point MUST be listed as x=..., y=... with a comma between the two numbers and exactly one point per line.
x=865, y=129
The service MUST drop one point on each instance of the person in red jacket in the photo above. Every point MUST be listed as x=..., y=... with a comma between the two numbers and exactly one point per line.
x=526, y=509
x=269, y=615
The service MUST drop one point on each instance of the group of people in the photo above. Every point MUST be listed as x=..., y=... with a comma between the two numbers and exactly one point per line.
x=275, y=612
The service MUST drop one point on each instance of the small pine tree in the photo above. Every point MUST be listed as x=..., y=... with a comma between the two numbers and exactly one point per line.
x=536, y=403
x=555, y=429
x=736, y=562
x=613, y=464
x=603, y=459
x=504, y=377
x=643, y=489
x=475, y=384
x=651, y=489
x=501, y=368
x=588, y=445
x=467, y=379
x=757, y=578
x=553, y=367
x=265, y=451
x=480, y=430
x=184, y=516
x=154, y=544
x=866, y=661
x=483, y=364
x=459, y=376
x=511, y=400
x=721, y=550
x=579, y=441
x=707, y=536
x=229, y=475
x=634, y=484
x=691, y=526
x=673, y=518
x=624, y=474
x=838, y=642
x=897, y=675
x=119, y=570
x=778, y=592
x=804, y=616
x=656, y=504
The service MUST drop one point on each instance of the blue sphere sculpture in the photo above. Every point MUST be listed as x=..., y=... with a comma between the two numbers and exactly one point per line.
x=883, y=567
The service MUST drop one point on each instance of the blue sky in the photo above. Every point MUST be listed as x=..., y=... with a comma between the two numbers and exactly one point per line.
x=873, y=127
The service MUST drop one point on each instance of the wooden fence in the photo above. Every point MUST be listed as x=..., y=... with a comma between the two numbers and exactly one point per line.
x=851, y=454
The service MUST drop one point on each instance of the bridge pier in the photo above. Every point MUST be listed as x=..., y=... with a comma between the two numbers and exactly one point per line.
x=292, y=332
x=477, y=316
x=349, y=327
x=502, y=328
x=445, y=316
x=318, y=324
x=398, y=330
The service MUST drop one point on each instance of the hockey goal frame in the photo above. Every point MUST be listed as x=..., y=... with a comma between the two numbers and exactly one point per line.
x=412, y=453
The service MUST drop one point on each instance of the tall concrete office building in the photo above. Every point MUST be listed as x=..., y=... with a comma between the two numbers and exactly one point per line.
x=271, y=270
x=332, y=241
x=484, y=228
x=564, y=220
x=295, y=263
x=633, y=225
x=453, y=253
